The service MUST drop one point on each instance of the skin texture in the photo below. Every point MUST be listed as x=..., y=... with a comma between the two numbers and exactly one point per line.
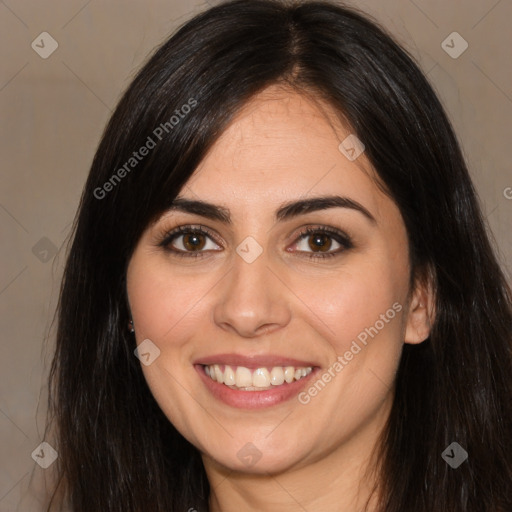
x=281, y=147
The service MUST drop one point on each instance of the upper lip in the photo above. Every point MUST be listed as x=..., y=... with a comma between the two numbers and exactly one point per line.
x=253, y=361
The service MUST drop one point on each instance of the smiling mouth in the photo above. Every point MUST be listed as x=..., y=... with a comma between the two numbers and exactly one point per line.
x=259, y=379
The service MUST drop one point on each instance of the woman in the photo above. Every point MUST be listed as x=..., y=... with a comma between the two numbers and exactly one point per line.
x=280, y=293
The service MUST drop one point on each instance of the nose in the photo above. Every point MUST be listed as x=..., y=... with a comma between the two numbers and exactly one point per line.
x=251, y=300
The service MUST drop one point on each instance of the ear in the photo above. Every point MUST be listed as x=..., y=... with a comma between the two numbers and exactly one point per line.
x=420, y=315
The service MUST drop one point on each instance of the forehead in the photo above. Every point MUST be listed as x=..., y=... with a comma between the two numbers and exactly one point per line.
x=283, y=145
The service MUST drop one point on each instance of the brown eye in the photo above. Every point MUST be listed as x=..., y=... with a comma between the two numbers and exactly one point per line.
x=189, y=241
x=194, y=241
x=319, y=242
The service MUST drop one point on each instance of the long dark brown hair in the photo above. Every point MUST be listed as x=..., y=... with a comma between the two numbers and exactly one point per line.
x=117, y=450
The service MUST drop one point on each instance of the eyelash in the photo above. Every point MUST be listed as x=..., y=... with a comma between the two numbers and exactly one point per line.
x=186, y=230
x=340, y=237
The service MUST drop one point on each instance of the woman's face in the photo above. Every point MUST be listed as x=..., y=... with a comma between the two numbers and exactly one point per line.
x=247, y=287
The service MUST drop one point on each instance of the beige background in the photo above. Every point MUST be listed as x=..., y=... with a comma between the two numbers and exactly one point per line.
x=53, y=113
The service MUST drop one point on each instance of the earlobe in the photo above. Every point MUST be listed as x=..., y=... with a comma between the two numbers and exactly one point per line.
x=420, y=316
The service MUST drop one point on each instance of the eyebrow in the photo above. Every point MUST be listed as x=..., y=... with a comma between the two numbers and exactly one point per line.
x=287, y=210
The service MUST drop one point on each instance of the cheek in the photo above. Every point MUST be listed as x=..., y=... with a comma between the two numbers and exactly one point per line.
x=358, y=304
x=161, y=301
x=165, y=309
x=363, y=310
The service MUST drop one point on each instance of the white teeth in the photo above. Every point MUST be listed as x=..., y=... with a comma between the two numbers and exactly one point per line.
x=218, y=374
x=277, y=376
x=240, y=377
x=289, y=374
x=261, y=378
x=229, y=376
x=243, y=377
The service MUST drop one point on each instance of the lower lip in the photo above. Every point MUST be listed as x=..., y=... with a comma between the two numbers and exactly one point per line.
x=254, y=399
